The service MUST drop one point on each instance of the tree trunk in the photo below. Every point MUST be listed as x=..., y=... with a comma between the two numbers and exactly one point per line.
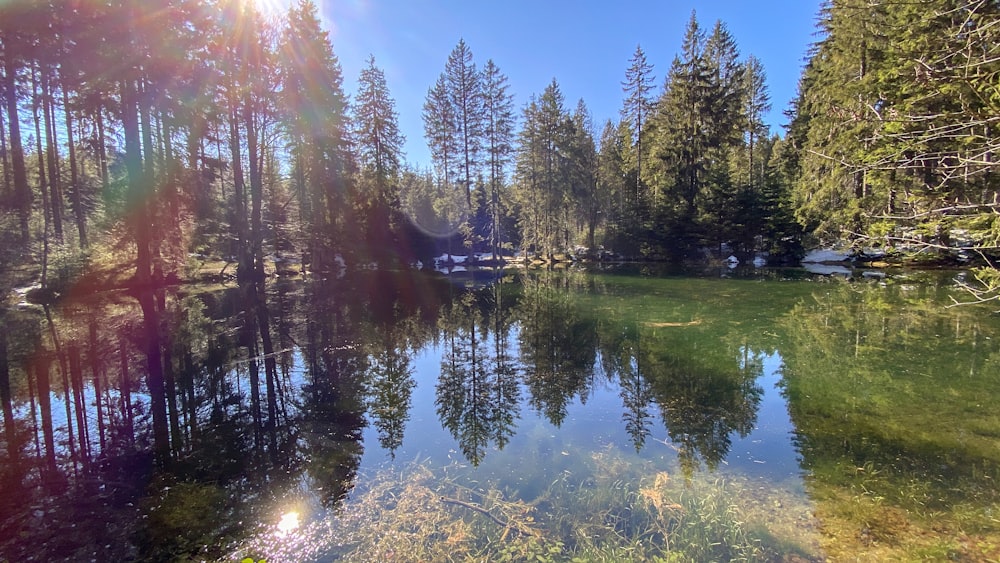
x=243, y=257
x=125, y=393
x=6, y=196
x=138, y=178
x=22, y=192
x=52, y=154
x=74, y=178
x=42, y=180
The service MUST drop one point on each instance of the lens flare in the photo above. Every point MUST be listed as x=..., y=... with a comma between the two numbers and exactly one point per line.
x=289, y=522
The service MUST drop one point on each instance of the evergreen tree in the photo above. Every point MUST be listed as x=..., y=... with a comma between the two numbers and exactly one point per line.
x=440, y=131
x=681, y=145
x=612, y=183
x=543, y=172
x=835, y=94
x=465, y=93
x=638, y=107
x=498, y=137
x=379, y=148
x=316, y=116
x=583, y=191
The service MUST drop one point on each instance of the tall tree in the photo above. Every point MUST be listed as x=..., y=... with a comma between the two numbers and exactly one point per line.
x=316, y=115
x=756, y=103
x=440, y=131
x=681, y=144
x=542, y=171
x=584, y=194
x=14, y=26
x=380, y=154
x=638, y=106
x=498, y=133
x=612, y=182
x=466, y=97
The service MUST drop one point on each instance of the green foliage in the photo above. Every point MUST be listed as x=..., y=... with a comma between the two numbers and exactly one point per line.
x=891, y=124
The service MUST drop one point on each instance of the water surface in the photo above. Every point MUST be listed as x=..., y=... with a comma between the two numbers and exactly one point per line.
x=543, y=414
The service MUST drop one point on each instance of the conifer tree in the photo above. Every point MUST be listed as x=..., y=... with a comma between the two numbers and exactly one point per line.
x=440, y=130
x=466, y=98
x=380, y=154
x=637, y=107
x=612, y=181
x=316, y=116
x=498, y=137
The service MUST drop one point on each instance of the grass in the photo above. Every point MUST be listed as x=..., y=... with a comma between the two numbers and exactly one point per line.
x=609, y=513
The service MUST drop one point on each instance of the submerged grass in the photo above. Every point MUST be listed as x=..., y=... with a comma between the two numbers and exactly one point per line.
x=606, y=513
x=881, y=512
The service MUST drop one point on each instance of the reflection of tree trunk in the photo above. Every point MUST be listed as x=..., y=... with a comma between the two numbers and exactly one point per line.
x=67, y=394
x=255, y=396
x=34, y=411
x=190, y=404
x=8, y=411
x=157, y=392
x=79, y=401
x=258, y=321
x=171, y=392
x=45, y=409
x=95, y=370
x=270, y=364
x=125, y=394
x=168, y=377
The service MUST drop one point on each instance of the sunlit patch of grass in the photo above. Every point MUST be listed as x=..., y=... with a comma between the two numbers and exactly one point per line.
x=601, y=512
x=894, y=514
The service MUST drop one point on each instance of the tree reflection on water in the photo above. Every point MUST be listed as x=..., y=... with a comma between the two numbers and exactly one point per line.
x=271, y=390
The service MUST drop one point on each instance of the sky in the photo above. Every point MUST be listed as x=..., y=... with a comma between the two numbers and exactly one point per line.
x=585, y=45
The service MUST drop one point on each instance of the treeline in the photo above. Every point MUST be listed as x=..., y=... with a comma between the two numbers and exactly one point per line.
x=200, y=126
x=192, y=126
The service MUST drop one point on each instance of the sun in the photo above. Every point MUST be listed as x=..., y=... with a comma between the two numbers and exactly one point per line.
x=270, y=8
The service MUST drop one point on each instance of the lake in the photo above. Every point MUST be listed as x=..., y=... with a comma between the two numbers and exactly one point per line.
x=628, y=413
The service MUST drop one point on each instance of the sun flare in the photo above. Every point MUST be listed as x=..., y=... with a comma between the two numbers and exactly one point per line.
x=270, y=7
x=289, y=522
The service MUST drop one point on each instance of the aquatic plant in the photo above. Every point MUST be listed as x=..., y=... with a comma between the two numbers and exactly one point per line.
x=608, y=513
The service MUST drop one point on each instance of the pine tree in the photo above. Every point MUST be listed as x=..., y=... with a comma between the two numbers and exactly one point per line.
x=681, y=146
x=612, y=182
x=15, y=44
x=638, y=107
x=498, y=137
x=440, y=131
x=756, y=102
x=543, y=172
x=464, y=86
x=316, y=116
x=583, y=191
x=380, y=154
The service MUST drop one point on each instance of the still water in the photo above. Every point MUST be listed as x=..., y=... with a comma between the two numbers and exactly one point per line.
x=542, y=415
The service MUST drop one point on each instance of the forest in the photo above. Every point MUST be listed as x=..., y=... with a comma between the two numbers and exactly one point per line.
x=204, y=128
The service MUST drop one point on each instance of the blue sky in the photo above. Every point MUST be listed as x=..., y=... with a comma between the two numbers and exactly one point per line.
x=584, y=45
